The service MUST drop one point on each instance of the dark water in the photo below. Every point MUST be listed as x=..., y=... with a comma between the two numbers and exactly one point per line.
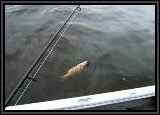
x=119, y=41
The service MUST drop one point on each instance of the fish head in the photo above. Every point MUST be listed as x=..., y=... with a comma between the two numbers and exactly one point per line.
x=86, y=63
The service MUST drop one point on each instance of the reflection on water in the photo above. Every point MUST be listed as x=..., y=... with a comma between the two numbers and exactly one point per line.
x=119, y=42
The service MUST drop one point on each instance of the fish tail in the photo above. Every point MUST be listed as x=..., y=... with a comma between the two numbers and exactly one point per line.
x=64, y=77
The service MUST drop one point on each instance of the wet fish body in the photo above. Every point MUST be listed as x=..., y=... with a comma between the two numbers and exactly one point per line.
x=75, y=70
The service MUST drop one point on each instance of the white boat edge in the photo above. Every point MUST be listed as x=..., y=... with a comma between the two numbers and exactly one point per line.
x=89, y=100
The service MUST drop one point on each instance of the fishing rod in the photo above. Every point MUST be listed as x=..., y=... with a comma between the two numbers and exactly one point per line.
x=26, y=75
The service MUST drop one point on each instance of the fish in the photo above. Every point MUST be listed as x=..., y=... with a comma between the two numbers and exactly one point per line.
x=75, y=70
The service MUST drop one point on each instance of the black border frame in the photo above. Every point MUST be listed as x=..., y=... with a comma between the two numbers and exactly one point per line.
x=156, y=3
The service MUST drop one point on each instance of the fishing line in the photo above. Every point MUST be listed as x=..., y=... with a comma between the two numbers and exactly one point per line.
x=79, y=9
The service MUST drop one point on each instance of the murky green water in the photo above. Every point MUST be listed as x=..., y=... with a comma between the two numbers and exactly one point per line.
x=119, y=41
